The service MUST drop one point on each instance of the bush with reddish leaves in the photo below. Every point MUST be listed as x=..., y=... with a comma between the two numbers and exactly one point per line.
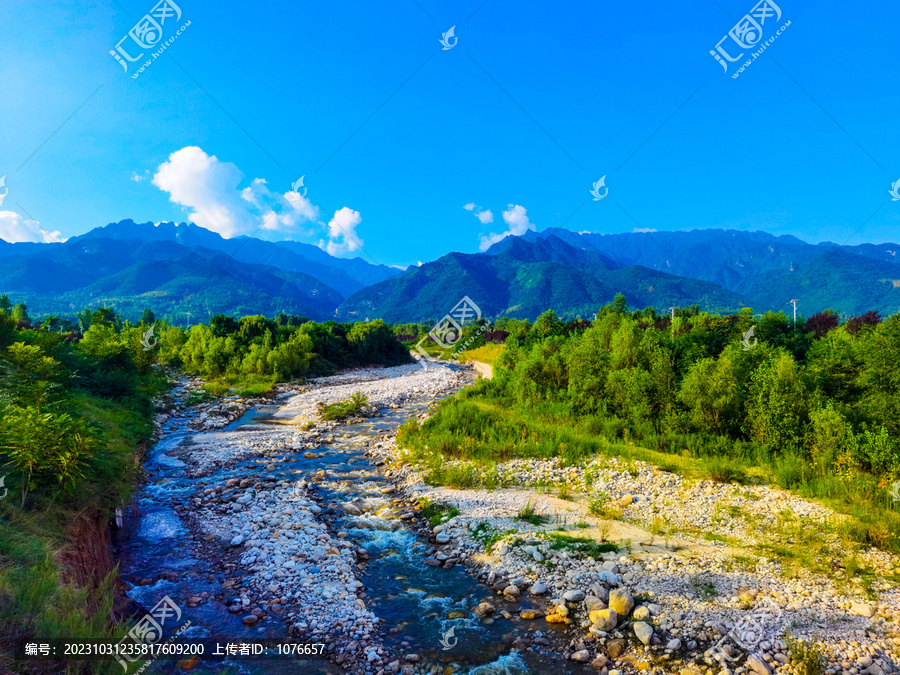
x=577, y=326
x=821, y=323
x=498, y=336
x=855, y=323
x=406, y=338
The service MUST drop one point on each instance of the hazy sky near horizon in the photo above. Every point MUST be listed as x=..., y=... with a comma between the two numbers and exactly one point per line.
x=409, y=150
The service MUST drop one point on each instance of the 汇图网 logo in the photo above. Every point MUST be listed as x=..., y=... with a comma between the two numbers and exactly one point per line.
x=596, y=189
x=445, y=639
x=748, y=33
x=447, y=37
x=148, y=342
x=147, y=34
x=447, y=332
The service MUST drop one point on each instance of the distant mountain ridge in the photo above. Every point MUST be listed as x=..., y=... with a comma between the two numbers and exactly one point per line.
x=182, y=269
x=525, y=278
x=344, y=275
x=767, y=270
x=179, y=270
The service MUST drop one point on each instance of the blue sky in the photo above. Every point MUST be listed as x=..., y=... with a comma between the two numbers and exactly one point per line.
x=395, y=135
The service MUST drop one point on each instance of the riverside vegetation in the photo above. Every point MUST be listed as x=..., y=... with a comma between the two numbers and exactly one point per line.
x=811, y=407
x=76, y=412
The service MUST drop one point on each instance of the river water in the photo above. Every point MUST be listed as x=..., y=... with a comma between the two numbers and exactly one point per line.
x=162, y=556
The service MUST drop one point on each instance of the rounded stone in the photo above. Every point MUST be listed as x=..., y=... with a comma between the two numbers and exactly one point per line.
x=604, y=619
x=643, y=632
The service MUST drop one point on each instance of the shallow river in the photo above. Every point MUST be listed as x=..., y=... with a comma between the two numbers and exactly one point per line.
x=419, y=603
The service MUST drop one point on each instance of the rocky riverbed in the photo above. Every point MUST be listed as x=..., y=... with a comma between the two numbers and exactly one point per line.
x=687, y=587
x=276, y=523
x=273, y=523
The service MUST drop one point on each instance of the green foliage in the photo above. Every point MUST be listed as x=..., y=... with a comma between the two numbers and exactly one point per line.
x=488, y=536
x=725, y=470
x=806, y=658
x=580, y=546
x=72, y=417
x=344, y=409
x=600, y=506
x=436, y=512
x=234, y=350
x=815, y=411
x=528, y=515
x=45, y=447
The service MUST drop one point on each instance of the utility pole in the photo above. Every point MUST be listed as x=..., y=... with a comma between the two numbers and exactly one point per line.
x=794, y=303
x=673, y=314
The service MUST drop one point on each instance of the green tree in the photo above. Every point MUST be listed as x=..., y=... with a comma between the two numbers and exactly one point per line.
x=587, y=363
x=619, y=304
x=711, y=393
x=45, y=446
x=30, y=377
x=776, y=406
x=20, y=312
x=548, y=325
x=148, y=317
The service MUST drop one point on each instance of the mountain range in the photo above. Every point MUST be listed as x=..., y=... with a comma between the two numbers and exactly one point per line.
x=180, y=271
x=185, y=272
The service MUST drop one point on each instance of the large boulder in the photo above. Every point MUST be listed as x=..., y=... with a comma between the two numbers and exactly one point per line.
x=615, y=648
x=537, y=588
x=640, y=613
x=621, y=601
x=862, y=609
x=604, y=619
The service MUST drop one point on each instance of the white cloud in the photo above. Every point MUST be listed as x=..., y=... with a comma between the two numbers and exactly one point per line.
x=209, y=188
x=14, y=229
x=484, y=216
x=342, y=232
x=644, y=229
x=516, y=219
x=137, y=178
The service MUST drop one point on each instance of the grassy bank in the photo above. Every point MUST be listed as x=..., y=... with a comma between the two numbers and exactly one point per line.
x=806, y=410
x=76, y=412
